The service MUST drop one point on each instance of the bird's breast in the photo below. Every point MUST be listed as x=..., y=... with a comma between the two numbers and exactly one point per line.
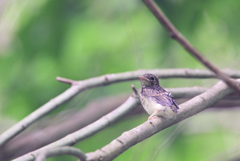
x=149, y=104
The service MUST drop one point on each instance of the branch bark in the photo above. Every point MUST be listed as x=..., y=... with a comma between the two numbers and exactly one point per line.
x=149, y=128
x=175, y=34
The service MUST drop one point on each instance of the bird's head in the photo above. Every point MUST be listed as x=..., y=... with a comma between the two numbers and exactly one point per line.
x=149, y=80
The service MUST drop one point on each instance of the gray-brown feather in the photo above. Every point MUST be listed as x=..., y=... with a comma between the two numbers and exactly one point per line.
x=158, y=95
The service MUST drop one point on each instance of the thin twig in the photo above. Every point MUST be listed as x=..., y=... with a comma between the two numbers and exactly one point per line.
x=149, y=128
x=80, y=86
x=134, y=90
x=89, y=130
x=175, y=34
x=61, y=151
x=64, y=80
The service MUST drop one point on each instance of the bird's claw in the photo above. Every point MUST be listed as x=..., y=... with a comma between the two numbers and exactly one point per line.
x=152, y=117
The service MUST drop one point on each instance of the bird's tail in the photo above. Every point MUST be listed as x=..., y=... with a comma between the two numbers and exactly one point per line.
x=175, y=107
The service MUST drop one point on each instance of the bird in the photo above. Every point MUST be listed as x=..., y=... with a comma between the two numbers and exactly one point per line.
x=156, y=101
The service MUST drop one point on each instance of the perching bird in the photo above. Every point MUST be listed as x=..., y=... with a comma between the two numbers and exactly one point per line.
x=156, y=100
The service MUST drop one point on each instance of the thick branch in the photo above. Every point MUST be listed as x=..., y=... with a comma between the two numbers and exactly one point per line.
x=175, y=34
x=147, y=129
x=79, y=86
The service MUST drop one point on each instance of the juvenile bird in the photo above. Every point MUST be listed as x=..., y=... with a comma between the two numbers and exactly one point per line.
x=156, y=100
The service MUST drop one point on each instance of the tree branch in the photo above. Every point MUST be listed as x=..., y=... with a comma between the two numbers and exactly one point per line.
x=175, y=34
x=79, y=86
x=134, y=90
x=89, y=130
x=61, y=151
x=149, y=128
x=68, y=81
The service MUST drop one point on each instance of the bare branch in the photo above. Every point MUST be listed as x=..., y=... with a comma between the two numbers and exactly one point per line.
x=149, y=128
x=134, y=90
x=64, y=80
x=61, y=151
x=89, y=130
x=80, y=86
x=175, y=34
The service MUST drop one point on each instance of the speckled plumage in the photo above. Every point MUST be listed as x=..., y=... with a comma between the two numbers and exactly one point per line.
x=156, y=100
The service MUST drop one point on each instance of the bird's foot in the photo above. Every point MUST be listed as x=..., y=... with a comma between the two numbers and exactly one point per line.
x=152, y=117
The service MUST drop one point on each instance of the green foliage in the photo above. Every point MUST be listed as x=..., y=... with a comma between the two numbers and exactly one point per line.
x=83, y=39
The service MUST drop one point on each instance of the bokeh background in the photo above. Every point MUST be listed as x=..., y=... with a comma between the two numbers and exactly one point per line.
x=40, y=40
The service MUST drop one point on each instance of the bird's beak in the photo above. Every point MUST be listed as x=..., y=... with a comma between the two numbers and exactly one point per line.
x=143, y=78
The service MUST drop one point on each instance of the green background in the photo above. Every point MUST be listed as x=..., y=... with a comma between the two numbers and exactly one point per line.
x=40, y=40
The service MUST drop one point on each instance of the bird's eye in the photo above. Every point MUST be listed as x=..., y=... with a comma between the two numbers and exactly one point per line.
x=151, y=78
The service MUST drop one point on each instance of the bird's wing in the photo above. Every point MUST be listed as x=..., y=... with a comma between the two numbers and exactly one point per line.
x=175, y=103
x=159, y=95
